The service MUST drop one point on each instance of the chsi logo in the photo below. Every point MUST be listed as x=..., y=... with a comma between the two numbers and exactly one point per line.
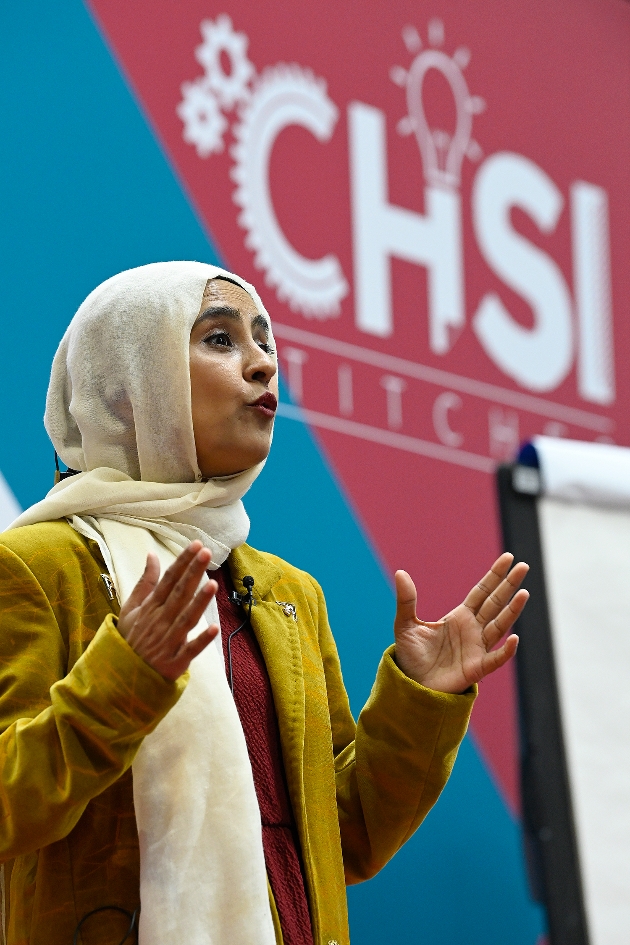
x=566, y=329
x=281, y=96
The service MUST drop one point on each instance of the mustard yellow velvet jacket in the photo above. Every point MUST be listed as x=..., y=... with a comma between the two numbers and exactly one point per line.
x=76, y=702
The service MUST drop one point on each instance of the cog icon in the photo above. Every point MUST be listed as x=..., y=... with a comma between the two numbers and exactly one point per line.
x=283, y=96
x=203, y=120
x=219, y=37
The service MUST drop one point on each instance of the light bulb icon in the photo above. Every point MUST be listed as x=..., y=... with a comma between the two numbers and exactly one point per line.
x=442, y=151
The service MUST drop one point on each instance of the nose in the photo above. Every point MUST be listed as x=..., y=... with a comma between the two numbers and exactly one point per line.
x=260, y=366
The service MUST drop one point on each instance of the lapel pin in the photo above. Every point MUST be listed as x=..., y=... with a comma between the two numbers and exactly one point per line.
x=288, y=609
x=109, y=586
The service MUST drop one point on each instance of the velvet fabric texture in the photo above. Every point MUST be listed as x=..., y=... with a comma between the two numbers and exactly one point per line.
x=70, y=730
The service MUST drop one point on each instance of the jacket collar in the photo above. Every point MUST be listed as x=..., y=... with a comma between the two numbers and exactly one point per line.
x=246, y=560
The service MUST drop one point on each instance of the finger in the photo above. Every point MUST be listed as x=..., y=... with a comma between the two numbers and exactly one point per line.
x=185, y=588
x=190, y=616
x=503, y=593
x=406, y=599
x=489, y=582
x=198, y=645
x=500, y=657
x=188, y=652
x=175, y=571
x=179, y=585
x=146, y=584
x=498, y=627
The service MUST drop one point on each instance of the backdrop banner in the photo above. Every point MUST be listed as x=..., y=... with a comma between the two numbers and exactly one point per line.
x=432, y=199
x=437, y=205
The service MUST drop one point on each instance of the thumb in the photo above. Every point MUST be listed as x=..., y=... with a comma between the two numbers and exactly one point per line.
x=146, y=584
x=406, y=599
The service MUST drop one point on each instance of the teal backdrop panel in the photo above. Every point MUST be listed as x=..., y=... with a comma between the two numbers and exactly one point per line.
x=86, y=192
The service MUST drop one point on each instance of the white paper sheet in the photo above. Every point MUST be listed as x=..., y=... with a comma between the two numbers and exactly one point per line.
x=586, y=552
x=597, y=473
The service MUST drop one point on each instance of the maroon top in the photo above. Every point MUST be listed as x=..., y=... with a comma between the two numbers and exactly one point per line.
x=254, y=701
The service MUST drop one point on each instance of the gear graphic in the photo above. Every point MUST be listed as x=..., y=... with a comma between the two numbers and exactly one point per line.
x=204, y=123
x=284, y=95
x=219, y=37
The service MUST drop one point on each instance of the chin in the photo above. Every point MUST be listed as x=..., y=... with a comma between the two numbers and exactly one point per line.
x=236, y=461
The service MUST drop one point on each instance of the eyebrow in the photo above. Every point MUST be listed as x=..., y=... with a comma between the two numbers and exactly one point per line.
x=228, y=311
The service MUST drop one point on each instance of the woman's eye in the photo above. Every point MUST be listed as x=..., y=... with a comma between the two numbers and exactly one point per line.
x=220, y=339
x=264, y=346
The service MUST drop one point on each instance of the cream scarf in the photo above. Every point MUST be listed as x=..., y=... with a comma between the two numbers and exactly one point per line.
x=118, y=408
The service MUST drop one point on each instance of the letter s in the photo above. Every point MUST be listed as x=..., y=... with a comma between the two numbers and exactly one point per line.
x=538, y=358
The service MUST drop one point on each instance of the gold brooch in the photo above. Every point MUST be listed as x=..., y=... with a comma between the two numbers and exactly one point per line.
x=288, y=609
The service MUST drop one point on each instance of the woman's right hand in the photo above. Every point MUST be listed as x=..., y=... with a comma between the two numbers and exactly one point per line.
x=159, y=614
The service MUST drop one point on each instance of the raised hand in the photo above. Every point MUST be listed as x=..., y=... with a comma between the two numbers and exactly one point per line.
x=158, y=614
x=457, y=651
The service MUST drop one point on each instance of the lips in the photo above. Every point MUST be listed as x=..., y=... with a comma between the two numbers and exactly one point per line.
x=267, y=404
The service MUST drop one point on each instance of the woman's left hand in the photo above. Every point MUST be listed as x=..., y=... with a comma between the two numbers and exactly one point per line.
x=457, y=651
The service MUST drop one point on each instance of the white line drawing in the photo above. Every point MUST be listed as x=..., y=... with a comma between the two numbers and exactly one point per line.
x=296, y=359
x=281, y=96
x=503, y=433
x=442, y=151
x=346, y=392
x=401, y=441
x=219, y=37
x=465, y=385
x=395, y=387
x=204, y=124
x=203, y=99
x=284, y=95
x=442, y=405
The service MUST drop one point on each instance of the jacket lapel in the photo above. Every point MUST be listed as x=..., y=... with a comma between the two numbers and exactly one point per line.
x=279, y=641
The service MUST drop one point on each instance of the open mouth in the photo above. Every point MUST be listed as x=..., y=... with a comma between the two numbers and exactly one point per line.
x=266, y=404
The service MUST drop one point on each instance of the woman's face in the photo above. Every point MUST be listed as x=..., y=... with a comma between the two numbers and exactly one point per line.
x=233, y=381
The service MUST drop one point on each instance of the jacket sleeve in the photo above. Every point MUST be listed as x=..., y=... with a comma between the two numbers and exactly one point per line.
x=392, y=765
x=65, y=736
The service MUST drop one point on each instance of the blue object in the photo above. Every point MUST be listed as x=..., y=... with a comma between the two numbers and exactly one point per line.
x=528, y=456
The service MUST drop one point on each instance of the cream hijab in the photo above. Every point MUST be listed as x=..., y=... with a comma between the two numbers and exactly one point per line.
x=119, y=410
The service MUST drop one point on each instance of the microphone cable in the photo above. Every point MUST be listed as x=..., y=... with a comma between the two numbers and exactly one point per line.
x=132, y=916
x=242, y=599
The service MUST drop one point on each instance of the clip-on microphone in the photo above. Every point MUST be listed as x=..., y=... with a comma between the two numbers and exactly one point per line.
x=245, y=599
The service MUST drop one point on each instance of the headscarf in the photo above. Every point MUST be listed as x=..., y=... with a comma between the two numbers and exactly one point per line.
x=119, y=410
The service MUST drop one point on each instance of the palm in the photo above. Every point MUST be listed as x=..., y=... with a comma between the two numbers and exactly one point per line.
x=457, y=651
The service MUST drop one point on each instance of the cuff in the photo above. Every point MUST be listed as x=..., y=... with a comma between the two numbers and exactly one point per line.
x=114, y=687
x=408, y=700
x=390, y=654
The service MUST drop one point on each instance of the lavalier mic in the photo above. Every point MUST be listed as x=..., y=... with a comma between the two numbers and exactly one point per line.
x=248, y=583
x=246, y=598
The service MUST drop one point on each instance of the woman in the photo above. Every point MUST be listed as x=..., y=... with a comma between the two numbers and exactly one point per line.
x=131, y=774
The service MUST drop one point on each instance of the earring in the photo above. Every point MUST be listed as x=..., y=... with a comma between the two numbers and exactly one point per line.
x=59, y=474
